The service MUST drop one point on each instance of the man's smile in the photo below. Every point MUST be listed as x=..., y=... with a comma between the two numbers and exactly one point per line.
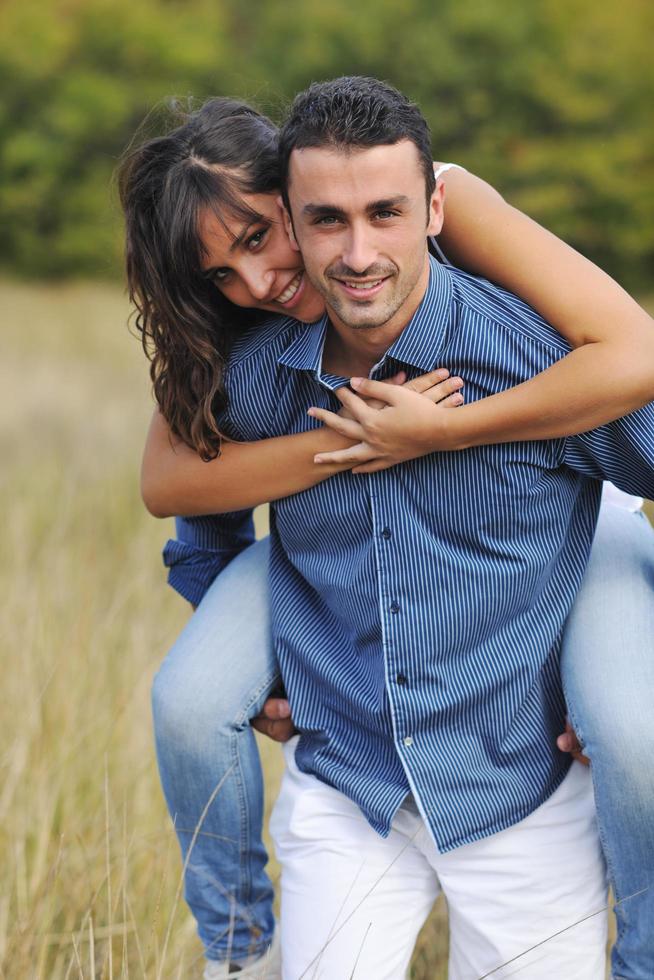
x=358, y=289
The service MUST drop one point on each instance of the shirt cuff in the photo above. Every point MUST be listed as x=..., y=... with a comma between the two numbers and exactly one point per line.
x=191, y=570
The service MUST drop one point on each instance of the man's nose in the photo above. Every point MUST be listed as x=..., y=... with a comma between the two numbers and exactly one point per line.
x=359, y=253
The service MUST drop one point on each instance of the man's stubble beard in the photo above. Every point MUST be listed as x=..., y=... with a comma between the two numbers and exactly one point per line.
x=343, y=310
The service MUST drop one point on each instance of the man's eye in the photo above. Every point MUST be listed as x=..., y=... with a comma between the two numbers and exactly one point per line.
x=384, y=215
x=327, y=219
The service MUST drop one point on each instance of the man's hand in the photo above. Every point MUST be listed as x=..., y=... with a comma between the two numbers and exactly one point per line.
x=275, y=720
x=413, y=421
x=568, y=742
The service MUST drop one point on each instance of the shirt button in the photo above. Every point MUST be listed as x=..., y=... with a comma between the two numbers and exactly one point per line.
x=408, y=741
x=387, y=533
x=394, y=606
x=401, y=679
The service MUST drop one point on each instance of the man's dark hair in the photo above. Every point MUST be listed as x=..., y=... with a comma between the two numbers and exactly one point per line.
x=358, y=113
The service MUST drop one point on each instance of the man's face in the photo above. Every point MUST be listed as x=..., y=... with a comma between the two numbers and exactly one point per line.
x=361, y=221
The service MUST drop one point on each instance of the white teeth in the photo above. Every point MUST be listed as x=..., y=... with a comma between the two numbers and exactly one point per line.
x=363, y=285
x=290, y=290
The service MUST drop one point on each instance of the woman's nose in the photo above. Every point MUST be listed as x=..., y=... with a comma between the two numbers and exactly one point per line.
x=258, y=281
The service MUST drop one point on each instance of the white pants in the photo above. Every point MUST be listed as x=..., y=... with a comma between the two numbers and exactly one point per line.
x=354, y=902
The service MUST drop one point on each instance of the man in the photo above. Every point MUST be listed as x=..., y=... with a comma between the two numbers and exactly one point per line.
x=417, y=611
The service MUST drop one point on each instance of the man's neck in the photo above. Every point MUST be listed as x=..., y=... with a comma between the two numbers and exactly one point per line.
x=353, y=353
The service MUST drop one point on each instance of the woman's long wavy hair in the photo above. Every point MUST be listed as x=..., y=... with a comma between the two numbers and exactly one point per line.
x=212, y=157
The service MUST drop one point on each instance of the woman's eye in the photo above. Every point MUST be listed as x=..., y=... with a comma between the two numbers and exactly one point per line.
x=220, y=276
x=255, y=240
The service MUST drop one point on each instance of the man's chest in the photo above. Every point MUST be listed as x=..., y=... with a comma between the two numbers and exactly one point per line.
x=488, y=503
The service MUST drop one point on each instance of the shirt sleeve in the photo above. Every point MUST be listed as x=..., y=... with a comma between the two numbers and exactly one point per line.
x=204, y=546
x=622, y=452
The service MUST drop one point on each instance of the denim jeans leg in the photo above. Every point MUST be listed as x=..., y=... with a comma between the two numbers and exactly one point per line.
x=608, y=674
x=211, y=683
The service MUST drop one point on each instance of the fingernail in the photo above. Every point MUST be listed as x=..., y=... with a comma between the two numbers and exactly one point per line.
x=318, y=459
x=311, y=412
x=356, y=382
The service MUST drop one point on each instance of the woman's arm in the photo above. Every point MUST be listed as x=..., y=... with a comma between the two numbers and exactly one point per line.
x=175, y=481
x=609, y=373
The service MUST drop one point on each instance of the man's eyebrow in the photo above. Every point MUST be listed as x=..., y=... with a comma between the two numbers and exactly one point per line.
x=323, y=210
x=320, y=210
x=400, y=200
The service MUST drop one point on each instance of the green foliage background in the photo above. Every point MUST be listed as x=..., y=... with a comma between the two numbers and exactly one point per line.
x=550, y=100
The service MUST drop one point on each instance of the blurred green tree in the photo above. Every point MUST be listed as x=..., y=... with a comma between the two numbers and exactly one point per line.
x=77, y=77
x=550, y=101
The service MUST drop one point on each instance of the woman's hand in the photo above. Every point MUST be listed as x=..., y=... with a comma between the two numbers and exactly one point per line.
x=391, y=423
x=397, y=379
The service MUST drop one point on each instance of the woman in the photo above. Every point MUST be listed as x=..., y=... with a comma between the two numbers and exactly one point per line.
x=202, y=213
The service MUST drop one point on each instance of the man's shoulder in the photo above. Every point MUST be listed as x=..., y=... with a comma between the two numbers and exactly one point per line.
x=254, y=378
x=263, y=340
x=484, y=299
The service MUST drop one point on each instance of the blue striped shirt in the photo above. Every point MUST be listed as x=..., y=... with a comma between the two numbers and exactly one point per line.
x=417, y=612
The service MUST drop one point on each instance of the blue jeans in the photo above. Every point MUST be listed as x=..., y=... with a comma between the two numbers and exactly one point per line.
x=218, y=674
x=215, y=678
x=607, y=665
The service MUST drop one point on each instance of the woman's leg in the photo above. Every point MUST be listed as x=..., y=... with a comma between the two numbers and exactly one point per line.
x=608, y=674
x=212, y=682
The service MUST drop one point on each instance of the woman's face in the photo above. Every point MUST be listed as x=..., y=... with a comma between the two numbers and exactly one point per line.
x=254, y=264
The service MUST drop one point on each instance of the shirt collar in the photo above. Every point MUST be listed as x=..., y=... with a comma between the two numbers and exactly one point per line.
x=304, y=353
x=418, y=345
x=420, y=342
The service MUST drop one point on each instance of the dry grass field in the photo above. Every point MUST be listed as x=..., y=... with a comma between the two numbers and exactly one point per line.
x=89, y=868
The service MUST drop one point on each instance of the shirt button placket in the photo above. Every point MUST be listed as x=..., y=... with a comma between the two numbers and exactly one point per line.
x=394, y=608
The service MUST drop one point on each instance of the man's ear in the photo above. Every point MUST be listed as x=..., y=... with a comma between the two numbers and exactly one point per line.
x=288, y=223
x=436, y=214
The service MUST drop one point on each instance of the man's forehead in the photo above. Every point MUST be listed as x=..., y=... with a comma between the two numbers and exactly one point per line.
x=354, y=170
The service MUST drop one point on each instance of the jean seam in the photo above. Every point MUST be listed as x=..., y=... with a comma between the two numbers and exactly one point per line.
x=621, y=923
x=246, y=878
x=245, y=834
